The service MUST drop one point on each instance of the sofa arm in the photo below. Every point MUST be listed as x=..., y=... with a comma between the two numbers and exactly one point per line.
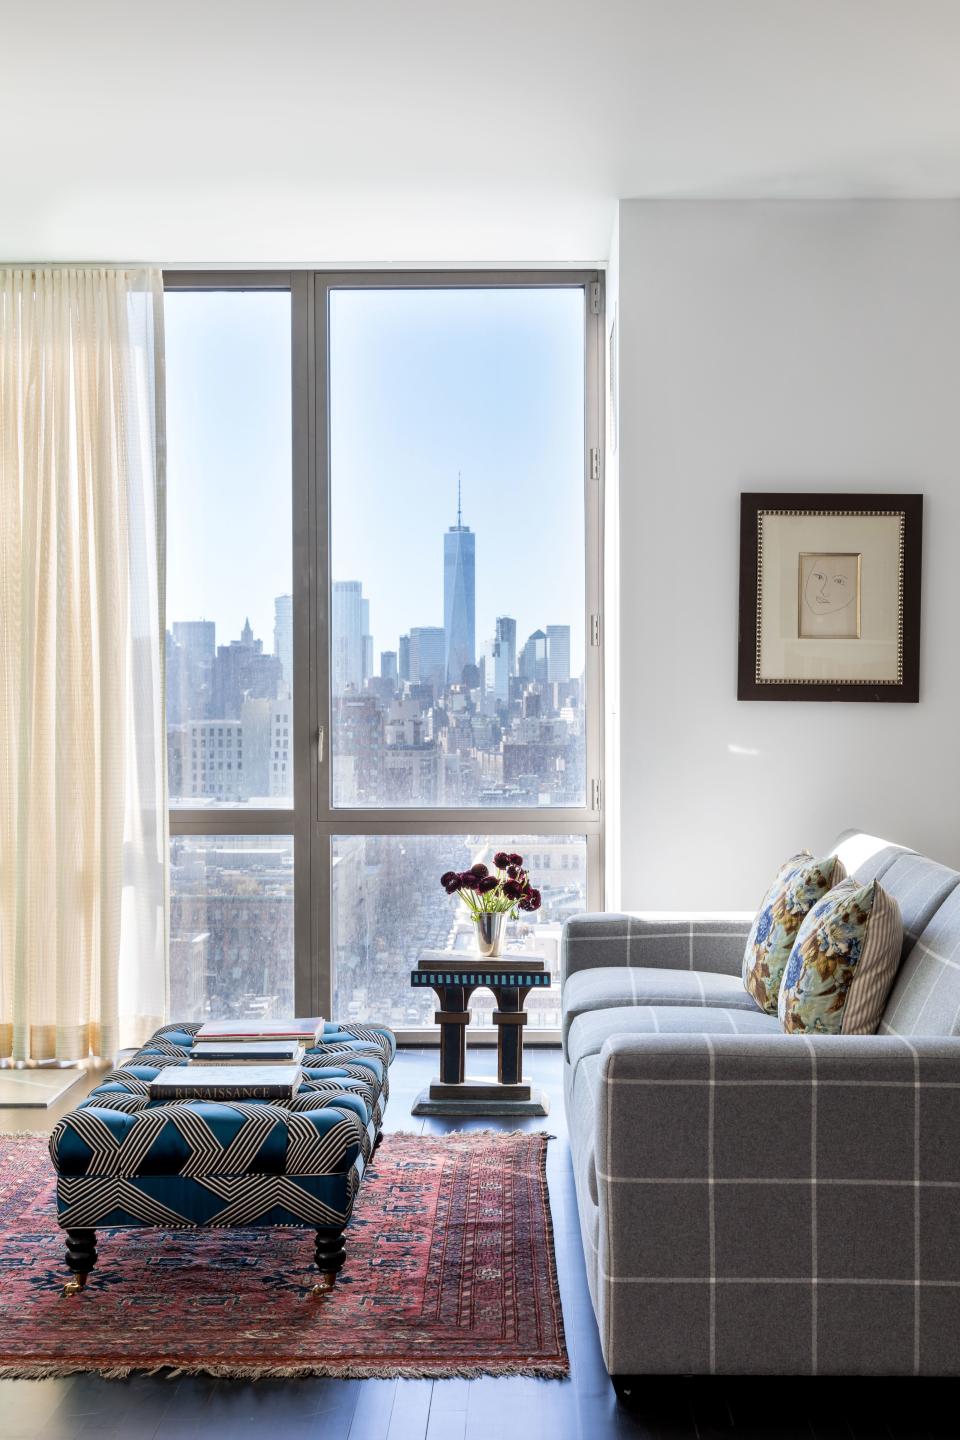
x=667, y=939
x=781, y=1204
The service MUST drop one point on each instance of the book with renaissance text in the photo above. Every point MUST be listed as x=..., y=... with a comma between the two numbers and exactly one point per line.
x=225, y=1082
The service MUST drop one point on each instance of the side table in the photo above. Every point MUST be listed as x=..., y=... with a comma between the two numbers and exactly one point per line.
x=454, y=977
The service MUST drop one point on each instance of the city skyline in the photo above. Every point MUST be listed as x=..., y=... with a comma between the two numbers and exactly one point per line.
x=426, y=384
x=423, y=384
x=513, y=734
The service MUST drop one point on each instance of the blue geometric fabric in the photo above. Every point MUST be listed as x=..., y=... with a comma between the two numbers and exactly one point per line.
x=124, y=1159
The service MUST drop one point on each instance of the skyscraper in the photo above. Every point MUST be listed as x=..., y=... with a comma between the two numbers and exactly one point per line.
x=459, y=597
x=558, y=653
x=283, y=638
x=507, y=635
x=346, y=636
x=198, y=638
x=403, y=658
x=427, y=656
x=366, y=640
x=241, y=671
x=190, y=651
x=533, y=657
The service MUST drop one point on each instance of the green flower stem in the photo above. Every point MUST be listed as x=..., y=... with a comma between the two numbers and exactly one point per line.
x=494, y=902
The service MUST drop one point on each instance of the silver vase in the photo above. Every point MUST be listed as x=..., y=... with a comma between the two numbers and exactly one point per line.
x=490, y=932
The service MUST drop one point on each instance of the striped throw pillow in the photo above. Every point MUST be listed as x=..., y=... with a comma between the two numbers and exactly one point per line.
x=842, y=963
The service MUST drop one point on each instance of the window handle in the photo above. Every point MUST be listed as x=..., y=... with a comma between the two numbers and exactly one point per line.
x=320, y=739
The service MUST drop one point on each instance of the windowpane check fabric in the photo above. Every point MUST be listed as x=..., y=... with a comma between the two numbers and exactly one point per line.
x=755, y=1202
x=691, y=1188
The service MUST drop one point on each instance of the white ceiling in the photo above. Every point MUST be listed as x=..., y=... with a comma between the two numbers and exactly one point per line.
x=449, y=131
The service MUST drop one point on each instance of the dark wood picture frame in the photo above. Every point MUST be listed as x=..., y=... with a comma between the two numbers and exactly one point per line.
x=753, y=506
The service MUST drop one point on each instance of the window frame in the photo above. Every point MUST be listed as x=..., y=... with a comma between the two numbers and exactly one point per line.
x=313, y=820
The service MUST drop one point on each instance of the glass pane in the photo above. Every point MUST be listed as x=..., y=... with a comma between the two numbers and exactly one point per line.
x=229, y=548
x=389, y=908
x=457, y=535
x=231, y=926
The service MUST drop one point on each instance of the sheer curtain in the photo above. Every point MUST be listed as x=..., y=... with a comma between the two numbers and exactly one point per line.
x=83, y=892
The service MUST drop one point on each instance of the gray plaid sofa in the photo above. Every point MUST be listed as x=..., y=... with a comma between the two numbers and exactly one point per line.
x=759, y=1203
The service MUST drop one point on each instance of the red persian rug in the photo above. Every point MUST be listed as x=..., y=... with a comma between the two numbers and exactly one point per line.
x=450, y=1271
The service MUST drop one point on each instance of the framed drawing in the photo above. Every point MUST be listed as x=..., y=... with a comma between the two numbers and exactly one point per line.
x=830, y=597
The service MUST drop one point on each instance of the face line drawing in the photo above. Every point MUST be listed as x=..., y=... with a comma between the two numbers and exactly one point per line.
x=831, y=585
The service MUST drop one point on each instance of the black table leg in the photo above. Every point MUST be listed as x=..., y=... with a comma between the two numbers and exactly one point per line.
x=81, y=1258
x=453, y=1018
x=330, y=1253
x=509, y=1018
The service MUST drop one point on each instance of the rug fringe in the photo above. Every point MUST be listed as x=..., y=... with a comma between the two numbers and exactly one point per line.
x=547, y=1370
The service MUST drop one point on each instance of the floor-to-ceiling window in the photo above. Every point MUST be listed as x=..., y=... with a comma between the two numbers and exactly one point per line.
x=229, y=651
x=383, y=648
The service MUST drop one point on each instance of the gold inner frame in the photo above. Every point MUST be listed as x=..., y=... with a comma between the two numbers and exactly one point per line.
x=773, y=510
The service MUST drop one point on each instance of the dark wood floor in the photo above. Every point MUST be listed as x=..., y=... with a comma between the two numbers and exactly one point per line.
x=582, y=1408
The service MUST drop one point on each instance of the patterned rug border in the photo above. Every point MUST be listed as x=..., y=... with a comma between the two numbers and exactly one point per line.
x=436, y=1369
x=429, y=1370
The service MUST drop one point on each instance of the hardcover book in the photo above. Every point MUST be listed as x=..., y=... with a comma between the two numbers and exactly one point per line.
x=470, y=960
x=225, y=1082
x=306, y=1032
x=250, y=1052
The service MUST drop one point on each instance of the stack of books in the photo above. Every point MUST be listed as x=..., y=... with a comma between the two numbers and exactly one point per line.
x=241, y=1060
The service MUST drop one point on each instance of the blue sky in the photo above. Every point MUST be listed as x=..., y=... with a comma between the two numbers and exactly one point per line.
x=423, y=383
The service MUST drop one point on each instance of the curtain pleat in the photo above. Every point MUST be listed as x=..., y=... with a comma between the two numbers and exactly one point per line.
x=83, y=841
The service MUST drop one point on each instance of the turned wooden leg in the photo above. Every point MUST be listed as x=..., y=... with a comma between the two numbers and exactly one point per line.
x=81, y=1258
x=330, y=1253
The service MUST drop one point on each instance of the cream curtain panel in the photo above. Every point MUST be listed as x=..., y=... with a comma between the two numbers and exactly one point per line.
x=83, y=902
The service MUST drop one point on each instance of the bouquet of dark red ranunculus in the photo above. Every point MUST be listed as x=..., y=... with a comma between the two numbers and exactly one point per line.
x=506, y=893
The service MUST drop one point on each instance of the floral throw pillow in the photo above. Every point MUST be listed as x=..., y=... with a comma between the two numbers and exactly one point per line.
x=842, y=963
x=801, y=881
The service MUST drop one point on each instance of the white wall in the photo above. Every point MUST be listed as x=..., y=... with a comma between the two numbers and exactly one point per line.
x=776, y=346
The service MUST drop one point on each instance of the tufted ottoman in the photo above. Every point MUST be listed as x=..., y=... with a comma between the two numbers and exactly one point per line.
x=123, y=1159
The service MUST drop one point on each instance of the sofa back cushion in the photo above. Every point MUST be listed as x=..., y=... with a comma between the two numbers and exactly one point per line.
x=867, y=857
x=920, y=887
x=925, y=999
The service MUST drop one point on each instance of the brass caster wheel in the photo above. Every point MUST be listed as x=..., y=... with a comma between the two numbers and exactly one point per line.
x=74, y=1286
x=325, y=1284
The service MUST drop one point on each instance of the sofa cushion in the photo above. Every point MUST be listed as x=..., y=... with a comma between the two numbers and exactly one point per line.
x=669, y=939
x=925, y=999
x=867, y=857
x=629, y=985
x=800, y=882
x=843, y=963
x=919, y=886
x=589, y=1031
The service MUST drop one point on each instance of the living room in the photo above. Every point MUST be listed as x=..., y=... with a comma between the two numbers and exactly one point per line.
x=479, y=881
